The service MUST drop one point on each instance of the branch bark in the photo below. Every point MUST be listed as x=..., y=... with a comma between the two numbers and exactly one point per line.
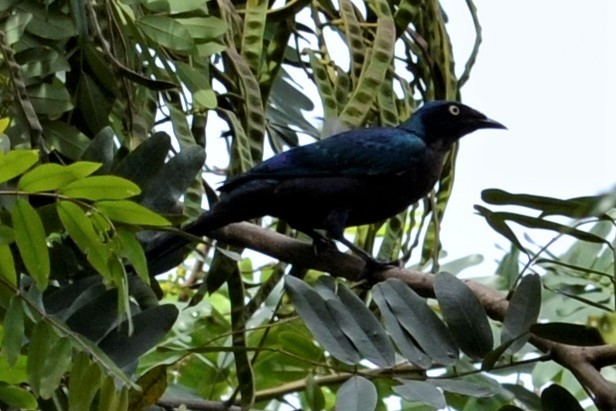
x=584, y=362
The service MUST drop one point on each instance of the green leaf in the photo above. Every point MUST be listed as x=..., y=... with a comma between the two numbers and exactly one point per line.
x=365, y=332
x=565, y=333
x=144, y=163
x=183, y=6
x=125, y=211
x=153, y=384
x=523, y=311
x=94, y=105
x=31, y=241
x=356, y=394
x=578, y=207
x=175, y=177
x=81, y=230
x=14, y=27
x=499, y=225
x=15, y=396
x=204, y=27
x=469, y=388
x=93, y=316
x=51, y=176
x=311, y=307
x=110, y=397
x=101, y=188
x=13, y=331
x=526, y=397
x=41, y=62
x=85, y=380
x=7, y=265
x=65, y=138
x=166, y=32
x=16, y=162
x=131, y=249
x=314, y=394
x=101, y=150
x=414, y=315
x=464, y=315
x=56, y=363
x=51, y=99
x=149, y=327
x=48, y=24
x=42, y=339
x=556, y=398
x=423, y=392
x=404, y=341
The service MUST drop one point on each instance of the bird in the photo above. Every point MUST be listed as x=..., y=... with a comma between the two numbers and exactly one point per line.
x=360, y=176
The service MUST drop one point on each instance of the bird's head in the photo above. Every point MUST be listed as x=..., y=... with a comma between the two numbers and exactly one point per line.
x=441, y=123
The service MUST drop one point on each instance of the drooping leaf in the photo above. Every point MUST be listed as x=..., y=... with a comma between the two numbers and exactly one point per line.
x=523, y=311
x=153, y=384
x=311, y=308
x=96, y=316
x=85, y=381
x=173, y=180
x=403, y=340
x=464, y=315
x=368, y=324
x=101, y=150
x=42, y=340
x=31, y=241
x=81, y=231
x=13, y=338
x=65, y=138
x=499, y=225
x=421, y=391
x=414, y=315
x=578, y=207
x=145, y=162
x=149, y=327
x=131, y=249
x=356, y=394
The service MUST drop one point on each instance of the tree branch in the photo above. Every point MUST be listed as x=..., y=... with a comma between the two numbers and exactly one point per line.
x=584, y=362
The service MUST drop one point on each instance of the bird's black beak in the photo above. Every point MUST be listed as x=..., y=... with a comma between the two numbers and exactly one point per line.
x=489, y=123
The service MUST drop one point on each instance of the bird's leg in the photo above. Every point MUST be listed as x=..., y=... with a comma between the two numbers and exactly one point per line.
x=335, y=229
x=319, y=241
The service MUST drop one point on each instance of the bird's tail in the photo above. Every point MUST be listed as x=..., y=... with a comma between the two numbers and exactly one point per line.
x=167, y=250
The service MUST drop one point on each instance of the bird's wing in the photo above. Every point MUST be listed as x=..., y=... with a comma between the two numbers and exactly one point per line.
x=368, y=151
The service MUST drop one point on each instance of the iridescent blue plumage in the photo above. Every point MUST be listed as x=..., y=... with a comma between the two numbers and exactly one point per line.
x=356, y=177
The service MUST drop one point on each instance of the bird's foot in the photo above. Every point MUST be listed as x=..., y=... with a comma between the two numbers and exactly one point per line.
x=374, y=266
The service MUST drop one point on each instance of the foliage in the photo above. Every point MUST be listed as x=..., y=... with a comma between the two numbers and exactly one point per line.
x=90, y=92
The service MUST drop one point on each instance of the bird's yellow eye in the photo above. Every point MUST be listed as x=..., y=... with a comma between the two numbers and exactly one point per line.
x=455, y=110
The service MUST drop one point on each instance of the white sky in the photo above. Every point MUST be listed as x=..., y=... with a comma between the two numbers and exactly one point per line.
x=545, y=70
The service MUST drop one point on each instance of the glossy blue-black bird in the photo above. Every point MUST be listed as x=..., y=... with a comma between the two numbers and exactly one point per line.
x=357, y=177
